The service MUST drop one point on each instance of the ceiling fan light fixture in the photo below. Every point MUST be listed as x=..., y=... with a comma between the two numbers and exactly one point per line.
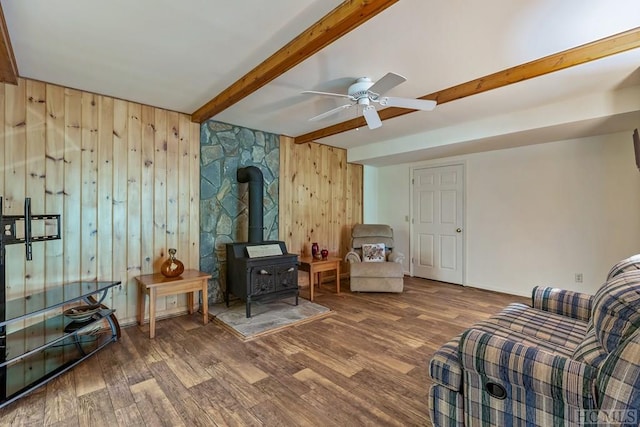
x=365, y=92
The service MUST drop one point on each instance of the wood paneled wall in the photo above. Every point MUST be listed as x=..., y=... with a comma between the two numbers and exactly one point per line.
x=124, y=176
x=320, y=197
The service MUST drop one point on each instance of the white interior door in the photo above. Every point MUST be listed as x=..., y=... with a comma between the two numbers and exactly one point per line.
x=438, y=223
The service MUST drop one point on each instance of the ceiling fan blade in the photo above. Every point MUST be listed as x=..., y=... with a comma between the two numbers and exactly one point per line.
x=330, y=112
x=414, y=104
x=371, y=116
x=339, y=95
x=388, y=82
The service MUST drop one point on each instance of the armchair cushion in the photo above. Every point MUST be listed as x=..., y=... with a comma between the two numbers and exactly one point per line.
x=619, y=378
x=628, y=264
x=376, y=269
x=615, y=309
x=371, y=233
x=567, y=303
x=590, y=351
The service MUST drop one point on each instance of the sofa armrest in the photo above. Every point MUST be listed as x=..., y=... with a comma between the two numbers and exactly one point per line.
x=396, y=257
x=352, y=257
x=505, y=361
x=567, y=303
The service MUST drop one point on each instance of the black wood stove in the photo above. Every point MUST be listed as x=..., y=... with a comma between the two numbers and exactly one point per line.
x=259, y=270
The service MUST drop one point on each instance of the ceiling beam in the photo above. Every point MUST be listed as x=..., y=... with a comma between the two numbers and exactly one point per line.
x=344, y=18
x=8, y=67
x=598, y=49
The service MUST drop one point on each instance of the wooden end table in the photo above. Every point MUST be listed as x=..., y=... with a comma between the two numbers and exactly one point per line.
x=156, y=285
x=316, y=266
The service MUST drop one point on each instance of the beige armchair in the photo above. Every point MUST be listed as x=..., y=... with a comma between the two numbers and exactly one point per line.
x=372, y=267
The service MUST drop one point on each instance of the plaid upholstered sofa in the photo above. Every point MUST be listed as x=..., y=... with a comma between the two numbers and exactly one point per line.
x=568, y=359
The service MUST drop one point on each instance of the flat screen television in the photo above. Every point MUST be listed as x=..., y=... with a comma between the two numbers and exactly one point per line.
x=636, y=147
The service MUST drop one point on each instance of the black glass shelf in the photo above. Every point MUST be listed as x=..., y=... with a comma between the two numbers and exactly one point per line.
x=32, y=339
x=30, y=373
x=21, y=308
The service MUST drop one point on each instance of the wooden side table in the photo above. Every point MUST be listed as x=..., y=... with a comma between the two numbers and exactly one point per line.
x=156, y=285
x=316, y=266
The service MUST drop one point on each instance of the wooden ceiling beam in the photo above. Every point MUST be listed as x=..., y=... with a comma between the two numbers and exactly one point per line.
x=8, y=67
x=344, y=18
x=598, y=49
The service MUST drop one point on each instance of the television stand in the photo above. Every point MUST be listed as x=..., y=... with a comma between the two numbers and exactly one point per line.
x=52, y=343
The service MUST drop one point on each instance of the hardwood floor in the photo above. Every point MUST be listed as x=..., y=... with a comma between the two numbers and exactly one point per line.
x=365, y=365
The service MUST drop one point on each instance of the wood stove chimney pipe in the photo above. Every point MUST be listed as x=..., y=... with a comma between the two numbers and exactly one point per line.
x=253, y=176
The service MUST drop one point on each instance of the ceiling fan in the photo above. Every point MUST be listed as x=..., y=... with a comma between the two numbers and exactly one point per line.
x=365, y=92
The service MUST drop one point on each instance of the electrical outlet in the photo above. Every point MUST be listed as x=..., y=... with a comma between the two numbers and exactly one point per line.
x=578, y=277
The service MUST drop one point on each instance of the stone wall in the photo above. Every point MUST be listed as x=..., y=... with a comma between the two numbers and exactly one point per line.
x=223, y=200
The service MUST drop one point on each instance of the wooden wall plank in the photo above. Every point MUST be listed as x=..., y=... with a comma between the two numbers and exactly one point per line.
x=35, y=168
x=71, y=229
x=172, y=184
x=89, y=190
x=54, y=188
x=184, y=187
x=104, y=192
x=194, y=195
x=134, y=208
x=120, y=233
x=160, y=195
x=15, y=175
x=54, y=169
x=147, y=184
x=36, y=174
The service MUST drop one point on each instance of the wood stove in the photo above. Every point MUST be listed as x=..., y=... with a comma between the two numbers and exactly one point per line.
x=259, y=270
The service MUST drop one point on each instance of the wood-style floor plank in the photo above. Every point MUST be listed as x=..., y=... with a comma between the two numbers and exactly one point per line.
x=367, y=364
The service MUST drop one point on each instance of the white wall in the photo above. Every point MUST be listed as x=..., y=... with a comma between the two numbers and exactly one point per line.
x=370, y=198
x=538, y=214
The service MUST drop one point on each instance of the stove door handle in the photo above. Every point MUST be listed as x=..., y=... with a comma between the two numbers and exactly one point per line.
x=290, y=269
x=265, y=272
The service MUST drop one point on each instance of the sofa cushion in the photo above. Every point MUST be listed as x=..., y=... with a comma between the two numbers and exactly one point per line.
x=561, y=301
x=619, y=378
x=549, y=331
x=629, y=264
x=590, y=351
x=616, y=309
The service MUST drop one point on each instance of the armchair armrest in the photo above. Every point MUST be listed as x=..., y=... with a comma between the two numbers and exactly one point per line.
x=506, y=361
x=396, y=257
x=352, y=257
x=567, y=303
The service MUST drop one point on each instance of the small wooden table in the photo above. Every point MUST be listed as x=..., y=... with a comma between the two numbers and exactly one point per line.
x=316, y=266
x=156, y=285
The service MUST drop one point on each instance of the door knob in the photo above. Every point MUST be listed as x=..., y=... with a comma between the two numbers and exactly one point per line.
x=458, y=230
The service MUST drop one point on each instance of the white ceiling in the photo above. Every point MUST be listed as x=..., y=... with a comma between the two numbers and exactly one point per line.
x=180, y=54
